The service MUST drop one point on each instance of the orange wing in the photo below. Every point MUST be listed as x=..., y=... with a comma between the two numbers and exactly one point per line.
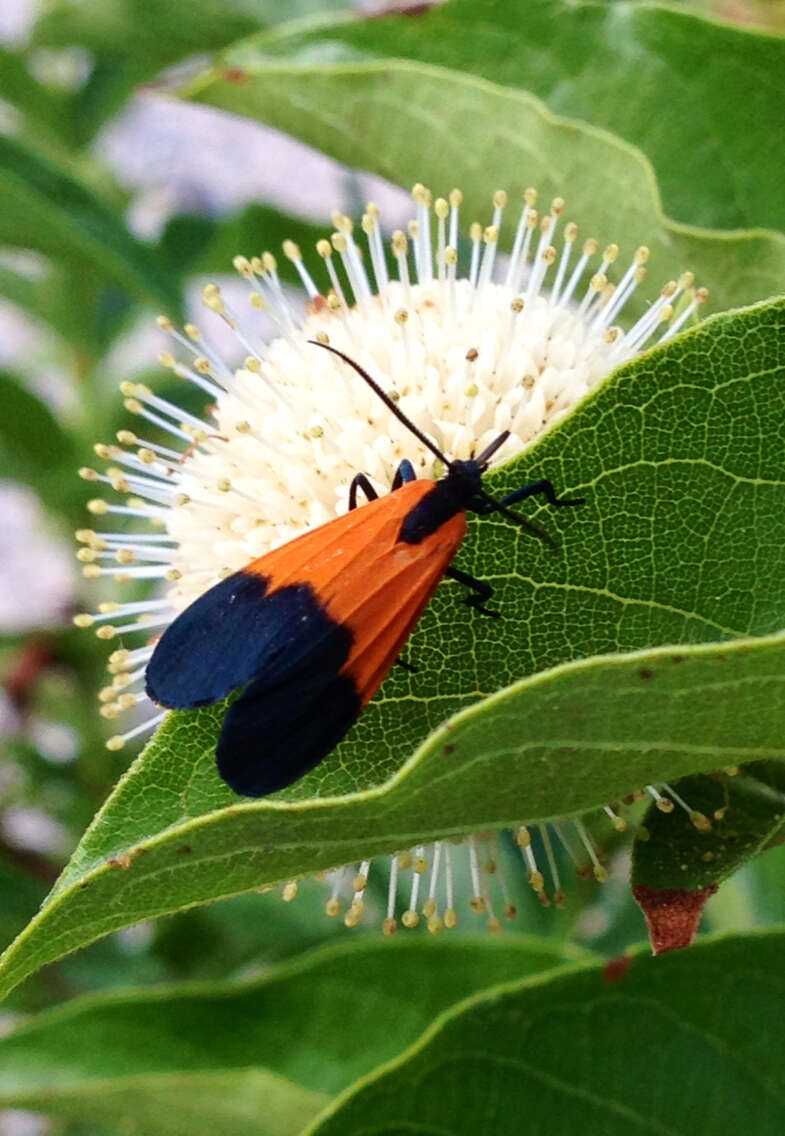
x=367, y=580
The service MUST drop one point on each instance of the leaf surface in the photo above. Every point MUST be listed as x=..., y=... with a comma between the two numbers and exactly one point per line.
x=700, y=98
x=33, y=444
x=604, y=1050
x=557, y=744
x=745, y=814
x=411, y=121
x=265, y=1053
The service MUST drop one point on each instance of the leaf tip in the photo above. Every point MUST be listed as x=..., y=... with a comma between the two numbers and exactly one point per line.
x=672, y=915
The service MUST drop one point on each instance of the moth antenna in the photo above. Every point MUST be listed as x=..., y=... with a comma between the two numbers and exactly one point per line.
x=388, y=402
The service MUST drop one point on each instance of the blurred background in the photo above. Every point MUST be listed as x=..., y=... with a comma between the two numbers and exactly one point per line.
x=162, y=194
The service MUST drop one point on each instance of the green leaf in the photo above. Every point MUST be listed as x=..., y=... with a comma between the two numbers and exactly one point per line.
x=688, y=1043
x=40, y=105
x=701, y=99
x=746, y=814
x=263, y=1056
x=201, y=245
x=157, y=36
x=132, y=41
x=681, y=456
x=413, y=122
x=33, y=444
x=46, y=209
x=560, y=743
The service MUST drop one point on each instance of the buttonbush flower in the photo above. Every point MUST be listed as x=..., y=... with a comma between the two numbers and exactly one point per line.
x=504, y=343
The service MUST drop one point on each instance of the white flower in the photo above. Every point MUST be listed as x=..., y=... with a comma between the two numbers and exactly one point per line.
x=509, y=344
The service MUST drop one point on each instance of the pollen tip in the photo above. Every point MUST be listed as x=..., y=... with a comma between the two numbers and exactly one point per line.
x=354, y=914
x=536, y=880
x=421, y=194
x=399, y=242
x=116, y=742
x=700, y=822
x=83, y=619
x=410, y=919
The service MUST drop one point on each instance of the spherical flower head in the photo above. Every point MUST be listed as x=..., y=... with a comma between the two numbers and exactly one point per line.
x=466, y=343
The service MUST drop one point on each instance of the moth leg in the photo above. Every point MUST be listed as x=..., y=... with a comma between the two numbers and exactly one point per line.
x=401, y=662
x=479, y=590
x=360, y=481
x=546, y=488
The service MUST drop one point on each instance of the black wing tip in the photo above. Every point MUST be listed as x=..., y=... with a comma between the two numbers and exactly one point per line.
x=270, y=739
